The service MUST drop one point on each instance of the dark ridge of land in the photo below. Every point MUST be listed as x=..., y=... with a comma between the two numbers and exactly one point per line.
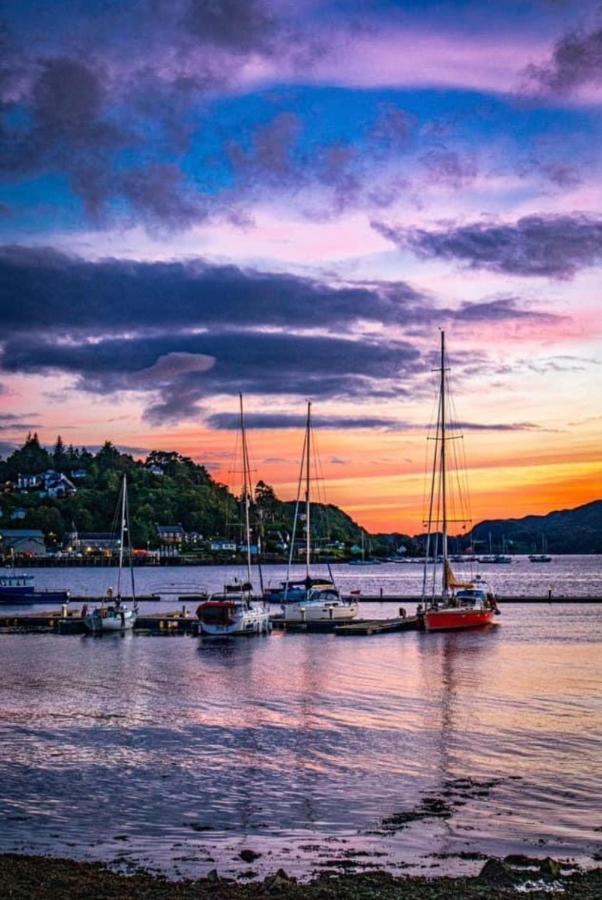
x=577, y=530
x=46, y=878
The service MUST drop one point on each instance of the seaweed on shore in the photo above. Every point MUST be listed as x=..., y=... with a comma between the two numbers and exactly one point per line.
x=25, y=877
x=455, y=793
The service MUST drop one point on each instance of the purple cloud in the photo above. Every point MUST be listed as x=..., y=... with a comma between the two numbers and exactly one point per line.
x=553, y=246
x=576, y=61
x=445, y=166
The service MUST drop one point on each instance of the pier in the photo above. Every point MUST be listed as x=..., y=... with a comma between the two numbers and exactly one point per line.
x=185, y=623
x=58, y=623
x=549, y=596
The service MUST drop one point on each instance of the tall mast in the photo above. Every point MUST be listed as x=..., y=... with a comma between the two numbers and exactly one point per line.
x=122, y=532
x=443, y=470
x=307, y=490
x=245, y=486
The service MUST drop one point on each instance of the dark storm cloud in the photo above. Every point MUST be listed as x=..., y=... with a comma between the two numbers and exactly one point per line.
x=67, y=109
x=74, y=131
x=180, y=333
x=576, y=61
x=40, y=288
x=247, y=362
x=230, y=421
x=553, y=246
x=499, y=309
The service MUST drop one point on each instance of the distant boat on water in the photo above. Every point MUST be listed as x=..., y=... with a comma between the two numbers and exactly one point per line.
x=18, y=589
x=362, y=560
x=454, y=604
x=542, y=557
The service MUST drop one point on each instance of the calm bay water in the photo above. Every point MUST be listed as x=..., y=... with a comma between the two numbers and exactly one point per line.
x=178, y=752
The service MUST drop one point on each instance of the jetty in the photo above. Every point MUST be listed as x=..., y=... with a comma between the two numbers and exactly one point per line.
x=379, y=626
x=183, y=622
x=357, y=626
x=72, y=622
x=549, y=596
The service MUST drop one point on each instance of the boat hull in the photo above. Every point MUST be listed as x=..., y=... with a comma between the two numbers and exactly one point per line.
x=22, y=598
x=457, y=619
x=227, y=619
x=320, y=612
x=101, y=624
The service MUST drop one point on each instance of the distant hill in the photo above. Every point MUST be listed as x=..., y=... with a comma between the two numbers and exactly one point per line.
x=576, y=530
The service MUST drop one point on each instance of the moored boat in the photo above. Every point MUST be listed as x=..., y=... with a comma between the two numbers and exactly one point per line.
x=542, y=557
x=115, y=615
x=18, y=589
x=495, y=560
x=470, y=606
x=237, y=610
x=453, y=604
x=294, y=590
x=320, y=602
x=234, y=611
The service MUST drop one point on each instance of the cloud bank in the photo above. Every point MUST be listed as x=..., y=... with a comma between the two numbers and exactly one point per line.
x=552, y=246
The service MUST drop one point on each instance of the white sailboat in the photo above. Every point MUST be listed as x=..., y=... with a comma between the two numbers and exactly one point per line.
x=321, y=602
x=236, y=610
x=115, y=615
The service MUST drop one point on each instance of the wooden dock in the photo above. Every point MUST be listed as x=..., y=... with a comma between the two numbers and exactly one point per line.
x=378, y=626
x=56, y=622
x=358, y=626
x=544, y=597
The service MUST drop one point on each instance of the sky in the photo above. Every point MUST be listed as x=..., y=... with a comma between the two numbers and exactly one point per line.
x=289, y=200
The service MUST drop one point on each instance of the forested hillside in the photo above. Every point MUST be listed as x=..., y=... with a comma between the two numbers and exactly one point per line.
x=165, y=488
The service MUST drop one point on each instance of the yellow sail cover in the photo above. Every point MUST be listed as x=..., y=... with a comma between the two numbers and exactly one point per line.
x=452, y=581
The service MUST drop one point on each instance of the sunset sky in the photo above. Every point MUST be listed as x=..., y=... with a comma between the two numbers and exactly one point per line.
x=290, y=199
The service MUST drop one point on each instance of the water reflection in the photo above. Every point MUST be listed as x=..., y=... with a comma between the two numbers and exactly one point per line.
x=308, y=735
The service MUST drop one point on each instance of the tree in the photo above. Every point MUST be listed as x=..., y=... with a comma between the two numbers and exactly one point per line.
x=30, y=459
x=60, y=456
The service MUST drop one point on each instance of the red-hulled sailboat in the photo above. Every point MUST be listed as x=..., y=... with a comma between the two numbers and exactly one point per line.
x=452, y=604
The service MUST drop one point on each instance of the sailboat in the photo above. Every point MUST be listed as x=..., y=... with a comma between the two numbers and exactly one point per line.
x=542, y=557
x=455, y=604
x=362, y=561
x=496, y=558
x=321, y=600
x=115, y=615
x=236, y=610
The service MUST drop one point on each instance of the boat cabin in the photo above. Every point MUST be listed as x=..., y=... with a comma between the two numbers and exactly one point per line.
x=474, y=597
x=24, y=582
x=324, y=595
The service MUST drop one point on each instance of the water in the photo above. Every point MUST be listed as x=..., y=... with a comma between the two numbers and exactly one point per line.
x=177, y=752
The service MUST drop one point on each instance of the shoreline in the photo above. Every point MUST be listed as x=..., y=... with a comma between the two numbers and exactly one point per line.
x=24, y=876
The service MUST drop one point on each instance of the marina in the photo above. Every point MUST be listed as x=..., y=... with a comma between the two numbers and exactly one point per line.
x=69, y=619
